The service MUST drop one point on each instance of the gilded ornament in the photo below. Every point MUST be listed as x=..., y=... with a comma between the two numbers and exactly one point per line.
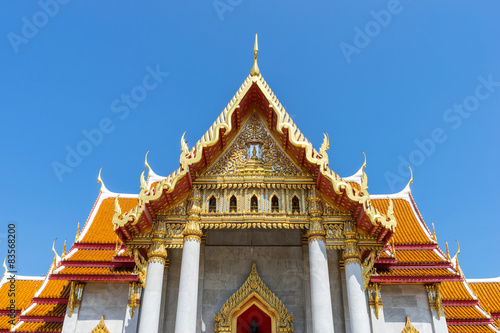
x=253, y=288
x=141, y=267
x=409, y=327
x=75, y=296
x=434, y=297
x=134, y=296
x=375, y=298
x=367, y=269
x=254, y=151
x=101, y=327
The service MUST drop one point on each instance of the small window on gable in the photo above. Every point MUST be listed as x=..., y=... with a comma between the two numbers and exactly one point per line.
x=295, y=205
x=254, y=203
x=275, y=204
x=233, y=204
x=212, y=205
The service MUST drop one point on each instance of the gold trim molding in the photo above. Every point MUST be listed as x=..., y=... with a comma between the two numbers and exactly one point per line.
x=253, y=289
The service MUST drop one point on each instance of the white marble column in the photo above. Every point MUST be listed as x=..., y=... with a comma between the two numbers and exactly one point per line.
x=151, y=296
x=321, y=302
x=187, y=301
x=356, y=296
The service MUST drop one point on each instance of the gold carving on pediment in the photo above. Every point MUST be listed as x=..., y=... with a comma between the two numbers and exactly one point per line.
x=253, y=288
x=254, y=152
x=409, y=327
x=101, y=327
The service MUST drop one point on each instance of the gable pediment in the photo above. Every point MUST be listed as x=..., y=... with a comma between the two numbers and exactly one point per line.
x=254, y=151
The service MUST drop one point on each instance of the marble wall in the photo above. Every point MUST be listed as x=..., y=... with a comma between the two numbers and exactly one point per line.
x=400, y=301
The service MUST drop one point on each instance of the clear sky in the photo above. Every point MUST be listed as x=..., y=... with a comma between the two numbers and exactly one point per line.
x=407, y=82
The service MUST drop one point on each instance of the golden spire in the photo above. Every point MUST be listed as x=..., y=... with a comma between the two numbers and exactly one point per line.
x=255, y=68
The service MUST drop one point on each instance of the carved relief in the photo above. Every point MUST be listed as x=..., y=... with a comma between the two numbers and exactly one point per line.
x=253, y=287
x=254, y=144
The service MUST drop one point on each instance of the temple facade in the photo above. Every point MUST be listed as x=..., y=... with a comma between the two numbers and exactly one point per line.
x=252, y=233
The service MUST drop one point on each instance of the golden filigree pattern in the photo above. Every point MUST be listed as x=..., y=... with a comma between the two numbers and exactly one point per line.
x=253, y=286
x=134, y=296
x=101, y=327
x=434, y=297
x=409, y=327
x=367, y=268
x=242, y=151
x=75, y=296
x=375, y=298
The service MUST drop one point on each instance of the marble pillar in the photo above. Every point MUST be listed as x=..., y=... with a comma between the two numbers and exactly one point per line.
x=356, y=296
x=187, y=301
x=151, y=296
x=321, y=302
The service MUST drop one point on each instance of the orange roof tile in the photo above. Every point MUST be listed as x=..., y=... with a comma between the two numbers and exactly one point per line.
x=408, y=230
x=101, y=230
x=25, y=289
x=462, y=312
x=416, y=272
x=92, y=255
x=95, y=271
x=418, y=256
x=56, y=310
x=469, y=329
x=455, y=291
x=40, y=327
x=55, y=289
x=488, y=294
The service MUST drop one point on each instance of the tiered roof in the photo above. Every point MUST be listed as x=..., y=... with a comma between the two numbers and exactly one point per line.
x=411, y=253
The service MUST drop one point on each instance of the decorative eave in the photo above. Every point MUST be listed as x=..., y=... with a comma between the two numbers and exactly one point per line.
x=172, y=189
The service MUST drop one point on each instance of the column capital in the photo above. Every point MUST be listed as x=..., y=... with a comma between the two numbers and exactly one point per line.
x=157, y=251
x=192, y=229
x=351, y=253
x=316, y=231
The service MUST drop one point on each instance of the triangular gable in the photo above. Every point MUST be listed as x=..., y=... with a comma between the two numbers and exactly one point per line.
x=254, y=143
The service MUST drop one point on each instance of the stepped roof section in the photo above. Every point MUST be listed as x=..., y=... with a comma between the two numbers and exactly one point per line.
x=415, y=257
x=254, y=95
x=95, y=256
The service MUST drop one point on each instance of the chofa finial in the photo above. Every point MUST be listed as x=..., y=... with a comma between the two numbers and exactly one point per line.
x=255, y=68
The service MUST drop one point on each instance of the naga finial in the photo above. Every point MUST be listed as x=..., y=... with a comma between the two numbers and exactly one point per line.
x=118, y=209
x=64, y=249
x=144, y=185
x=255, y=68
x=434, y=233
x=447, y=252
x=364, y=163
x=411, y=176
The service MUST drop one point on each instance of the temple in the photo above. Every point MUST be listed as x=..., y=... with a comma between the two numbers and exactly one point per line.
x=252, y=233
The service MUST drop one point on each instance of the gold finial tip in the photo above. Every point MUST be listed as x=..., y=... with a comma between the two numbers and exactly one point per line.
x=255, y=68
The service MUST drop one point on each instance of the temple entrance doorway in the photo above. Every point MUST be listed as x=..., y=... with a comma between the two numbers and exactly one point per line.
x=254, y=320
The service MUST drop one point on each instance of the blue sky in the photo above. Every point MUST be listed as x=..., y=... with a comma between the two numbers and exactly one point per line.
x=409, y=83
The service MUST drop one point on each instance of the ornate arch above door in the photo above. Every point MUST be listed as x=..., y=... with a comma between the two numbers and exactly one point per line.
x=253, y=292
